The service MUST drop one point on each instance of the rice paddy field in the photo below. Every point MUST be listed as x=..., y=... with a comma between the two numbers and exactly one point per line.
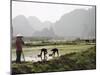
x=72, y=57
x=31, y=53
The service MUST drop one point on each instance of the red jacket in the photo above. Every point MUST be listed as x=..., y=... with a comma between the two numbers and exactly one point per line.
x=19, y=43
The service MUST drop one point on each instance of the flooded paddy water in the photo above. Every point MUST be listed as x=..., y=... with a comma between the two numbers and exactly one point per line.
x=31, y=53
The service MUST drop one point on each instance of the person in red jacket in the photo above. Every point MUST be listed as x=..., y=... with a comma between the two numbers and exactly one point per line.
x=19, y=43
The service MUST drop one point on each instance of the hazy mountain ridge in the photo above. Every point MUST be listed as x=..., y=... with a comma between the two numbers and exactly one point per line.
x=22, y=26
x=31, y=26
x=45, y=33
x=77, y=23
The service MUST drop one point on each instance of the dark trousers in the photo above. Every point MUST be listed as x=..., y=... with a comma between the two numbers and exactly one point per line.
x=45, y=57
x=55, y=52
x=18, y=56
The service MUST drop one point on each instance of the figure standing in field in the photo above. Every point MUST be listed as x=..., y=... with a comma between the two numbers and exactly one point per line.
x=54, y=51
x=19, y=43
x=44, y=52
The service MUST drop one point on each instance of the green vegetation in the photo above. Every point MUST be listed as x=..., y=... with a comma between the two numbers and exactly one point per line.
x=38, y=42
x=83, y=60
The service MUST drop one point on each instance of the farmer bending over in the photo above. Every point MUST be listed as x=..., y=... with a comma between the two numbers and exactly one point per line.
x=55, y=50
x=44, y=51
x=19, y=43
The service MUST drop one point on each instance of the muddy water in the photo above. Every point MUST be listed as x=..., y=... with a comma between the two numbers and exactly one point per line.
x=31, y=54
x=31, y=58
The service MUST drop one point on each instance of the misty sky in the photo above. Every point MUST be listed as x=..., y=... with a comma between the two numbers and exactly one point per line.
x=43, y=11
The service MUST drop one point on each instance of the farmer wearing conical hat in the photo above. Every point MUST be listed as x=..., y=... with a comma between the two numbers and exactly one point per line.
x=19, y=43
